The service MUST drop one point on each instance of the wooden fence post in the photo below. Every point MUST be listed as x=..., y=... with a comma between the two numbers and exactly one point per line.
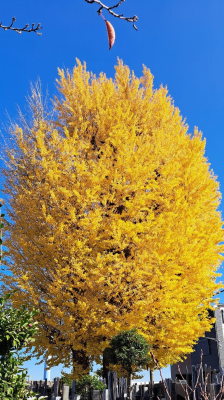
x=168, y=385
x=55, y=387
x=200, y=381
x=187, y=380
x=209, y=373
x=173, y=393
x=73, y=391
x=115, y=385
x=109, y=387
x=125, y=387
x=212, y=390
x=207, y=378
x=122, y=388
x=217, y=388
x=194, y=380
x=59, y=386
x=161, y=389
x=34, y=388
x=44, y=391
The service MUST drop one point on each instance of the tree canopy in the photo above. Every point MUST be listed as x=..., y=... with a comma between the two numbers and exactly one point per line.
x=129, y=350
x=113, y=220
x=129, y=353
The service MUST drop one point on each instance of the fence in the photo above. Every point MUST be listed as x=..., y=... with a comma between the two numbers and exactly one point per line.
x=207, y=381
x=117, y=389
x=53, y=390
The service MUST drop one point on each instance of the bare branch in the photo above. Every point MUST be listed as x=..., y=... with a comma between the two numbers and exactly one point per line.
x=185, y=389
x=34, y=28
x=110, y=10
x=203, y=388
x=160, y=372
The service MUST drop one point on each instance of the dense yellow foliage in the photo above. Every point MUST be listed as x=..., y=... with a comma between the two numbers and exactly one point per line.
x=114, y=220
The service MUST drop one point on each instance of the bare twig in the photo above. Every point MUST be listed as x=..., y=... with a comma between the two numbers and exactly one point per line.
x=219, y=395
x=199, y=371
x=187, y=386
x=193, y=390
x=110, y=10
x=159, y=368
x=204, y=395
x=34, y=28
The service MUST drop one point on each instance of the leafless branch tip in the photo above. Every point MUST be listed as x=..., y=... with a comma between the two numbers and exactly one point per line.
x=110, y=10
x=34, y=28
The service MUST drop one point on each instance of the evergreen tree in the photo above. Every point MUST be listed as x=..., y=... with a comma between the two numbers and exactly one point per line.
x=130, y=351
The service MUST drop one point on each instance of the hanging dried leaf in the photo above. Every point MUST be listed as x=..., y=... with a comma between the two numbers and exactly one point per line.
x=111, y=33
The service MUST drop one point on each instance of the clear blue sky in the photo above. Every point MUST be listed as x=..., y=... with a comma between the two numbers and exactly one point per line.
x=181, y=41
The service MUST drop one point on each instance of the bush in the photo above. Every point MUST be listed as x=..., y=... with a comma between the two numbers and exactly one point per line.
x=87, y=384
x=17, y=328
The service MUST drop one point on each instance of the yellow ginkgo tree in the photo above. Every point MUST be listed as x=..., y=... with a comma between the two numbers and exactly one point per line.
x=112, y=220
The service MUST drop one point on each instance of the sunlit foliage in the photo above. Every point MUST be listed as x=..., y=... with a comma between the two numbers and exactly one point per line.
x=113, y=221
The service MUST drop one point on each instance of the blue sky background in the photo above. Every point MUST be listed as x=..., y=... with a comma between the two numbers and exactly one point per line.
x=181, y=41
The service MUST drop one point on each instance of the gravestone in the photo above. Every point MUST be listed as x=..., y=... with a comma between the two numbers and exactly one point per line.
x=65, y=392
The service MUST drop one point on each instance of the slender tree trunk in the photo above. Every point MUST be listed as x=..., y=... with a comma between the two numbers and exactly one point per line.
x=151, y=383
x=105, y=367
x=129, y=387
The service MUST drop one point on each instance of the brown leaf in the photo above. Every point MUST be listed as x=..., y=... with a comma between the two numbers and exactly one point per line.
x=111, y=33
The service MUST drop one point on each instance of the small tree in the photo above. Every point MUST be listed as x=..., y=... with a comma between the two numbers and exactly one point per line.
x=16, y=331
x=17, y=328
x=87, y=384
x=130, y=351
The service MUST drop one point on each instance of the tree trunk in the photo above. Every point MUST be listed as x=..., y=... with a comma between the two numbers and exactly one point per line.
x=151, y=394
x=105, y=367
x=129, y=387
x=80, y=357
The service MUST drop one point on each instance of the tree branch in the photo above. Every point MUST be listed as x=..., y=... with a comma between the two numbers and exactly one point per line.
x=110, y=10
x=26, y=28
